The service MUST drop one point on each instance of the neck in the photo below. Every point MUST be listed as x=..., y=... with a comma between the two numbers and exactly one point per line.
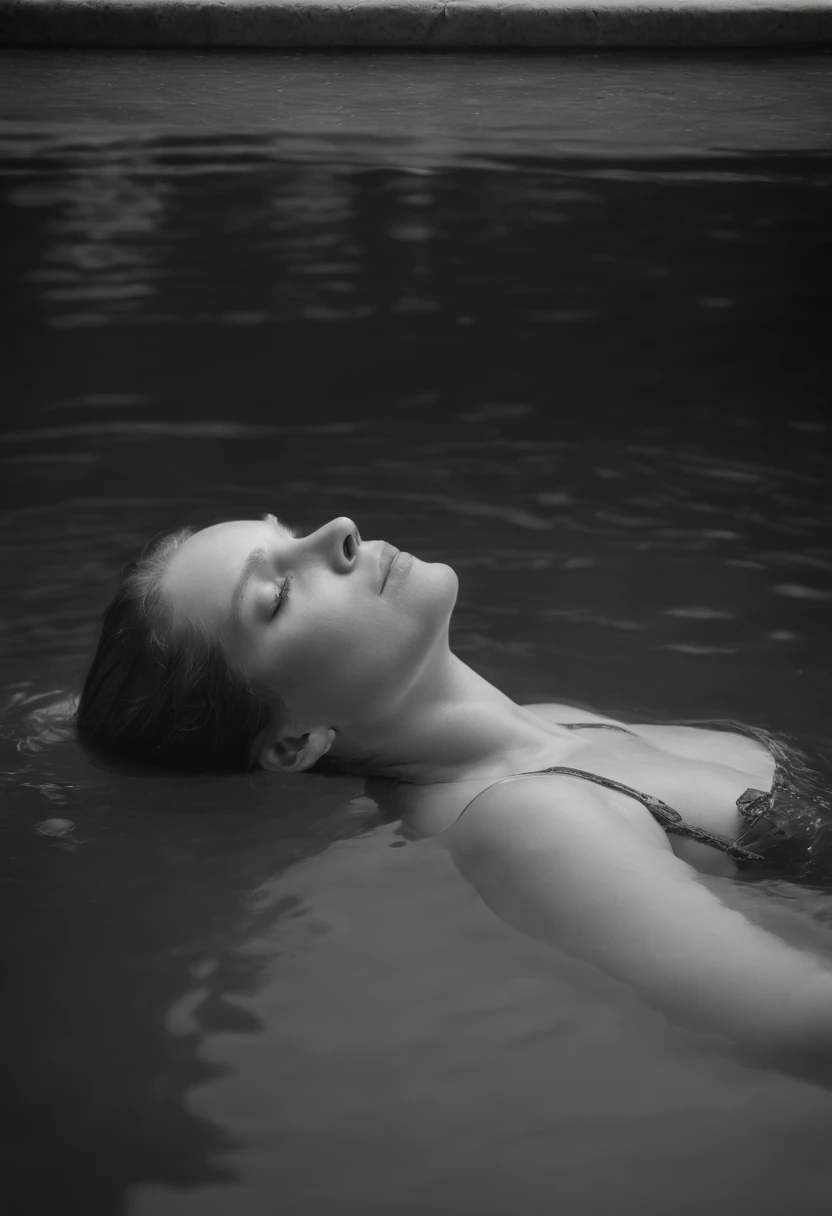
x=453, y=724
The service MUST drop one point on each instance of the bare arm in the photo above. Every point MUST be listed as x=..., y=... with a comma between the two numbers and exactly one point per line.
x=555, y=864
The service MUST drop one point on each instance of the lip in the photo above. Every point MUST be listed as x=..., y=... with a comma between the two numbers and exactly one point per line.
x=389, y=553
x=399, y=568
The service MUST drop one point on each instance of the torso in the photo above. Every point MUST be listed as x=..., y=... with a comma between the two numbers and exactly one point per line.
x=698, y=772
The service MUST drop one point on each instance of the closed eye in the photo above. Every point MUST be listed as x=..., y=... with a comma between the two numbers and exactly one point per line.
x=281, y=597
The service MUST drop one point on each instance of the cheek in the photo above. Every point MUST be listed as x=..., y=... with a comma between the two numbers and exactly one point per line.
x=353, y=650
x=340, y=665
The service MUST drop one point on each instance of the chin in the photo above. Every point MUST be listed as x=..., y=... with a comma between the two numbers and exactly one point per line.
x=447, y=583
x=436, y=584
x=441, y=569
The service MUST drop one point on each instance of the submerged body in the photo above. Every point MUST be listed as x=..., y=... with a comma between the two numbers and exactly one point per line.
x=588, y=869
x=342, y=657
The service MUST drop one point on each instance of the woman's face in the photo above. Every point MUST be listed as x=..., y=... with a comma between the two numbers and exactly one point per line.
x=325, y=621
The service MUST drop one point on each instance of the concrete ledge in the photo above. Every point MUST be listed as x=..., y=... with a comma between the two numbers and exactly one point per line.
x=431, y=24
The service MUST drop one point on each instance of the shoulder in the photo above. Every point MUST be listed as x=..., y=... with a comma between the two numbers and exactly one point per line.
x=430, y=811
x=556, y=828
x=476, y=815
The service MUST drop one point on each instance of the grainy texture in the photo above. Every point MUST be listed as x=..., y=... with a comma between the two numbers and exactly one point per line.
x=416, y=23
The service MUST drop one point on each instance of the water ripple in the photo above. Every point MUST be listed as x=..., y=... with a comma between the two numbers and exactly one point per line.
x=176, y=430
x=796, y=591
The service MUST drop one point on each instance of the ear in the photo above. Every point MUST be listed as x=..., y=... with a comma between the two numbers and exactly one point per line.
x=294, y=753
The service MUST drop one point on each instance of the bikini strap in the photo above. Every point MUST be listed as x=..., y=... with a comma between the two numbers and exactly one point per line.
x=594, y=726
x=664, y=815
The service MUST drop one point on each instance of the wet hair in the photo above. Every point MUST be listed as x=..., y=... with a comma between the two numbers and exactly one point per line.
x=162, y=692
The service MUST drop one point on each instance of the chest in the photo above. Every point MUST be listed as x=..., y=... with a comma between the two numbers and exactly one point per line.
x=703, y=791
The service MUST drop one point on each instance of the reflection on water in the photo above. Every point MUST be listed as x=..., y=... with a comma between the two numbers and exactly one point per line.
x=597, y=390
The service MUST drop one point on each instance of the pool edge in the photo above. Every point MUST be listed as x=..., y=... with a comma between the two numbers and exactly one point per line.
x=418, y=24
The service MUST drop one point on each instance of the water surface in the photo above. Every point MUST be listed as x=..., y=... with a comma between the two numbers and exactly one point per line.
x=575, y=346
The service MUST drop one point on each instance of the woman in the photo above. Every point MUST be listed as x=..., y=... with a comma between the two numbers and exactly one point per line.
x=247, y=645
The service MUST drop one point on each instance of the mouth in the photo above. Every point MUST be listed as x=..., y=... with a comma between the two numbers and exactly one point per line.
x=388, y=555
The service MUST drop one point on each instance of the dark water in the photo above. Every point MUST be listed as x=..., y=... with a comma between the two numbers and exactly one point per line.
x=578, y=351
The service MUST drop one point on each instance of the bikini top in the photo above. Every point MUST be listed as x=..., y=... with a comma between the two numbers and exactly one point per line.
x=664, y=815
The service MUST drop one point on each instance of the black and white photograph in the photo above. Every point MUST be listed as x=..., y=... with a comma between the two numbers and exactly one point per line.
x=415, y=605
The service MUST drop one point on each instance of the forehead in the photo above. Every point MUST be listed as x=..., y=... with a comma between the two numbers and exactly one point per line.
x=204, y=570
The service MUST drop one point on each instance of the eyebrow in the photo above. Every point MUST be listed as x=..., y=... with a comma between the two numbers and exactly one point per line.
x=250, y=565
x=293, y=532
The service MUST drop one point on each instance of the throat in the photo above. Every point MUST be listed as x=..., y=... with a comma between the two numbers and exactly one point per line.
x=488, y=748
x=453, y=725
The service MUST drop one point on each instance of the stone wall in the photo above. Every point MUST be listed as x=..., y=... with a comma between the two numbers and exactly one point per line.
x=417, y=23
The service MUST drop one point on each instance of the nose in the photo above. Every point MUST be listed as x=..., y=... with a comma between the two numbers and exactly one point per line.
x=340, y=541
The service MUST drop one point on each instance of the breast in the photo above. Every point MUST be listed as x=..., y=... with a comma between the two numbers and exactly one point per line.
x=702, y=792
x=726, y=748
